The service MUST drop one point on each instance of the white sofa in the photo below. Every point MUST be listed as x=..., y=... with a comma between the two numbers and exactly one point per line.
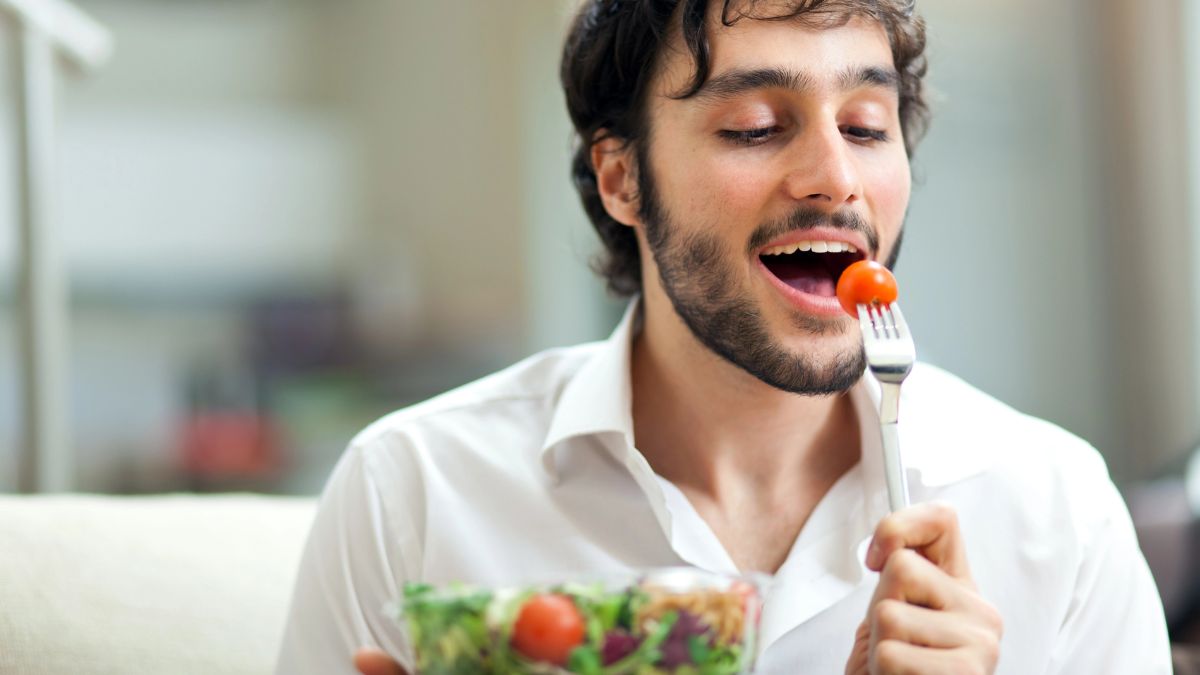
x=179, y=584
x=182, y=584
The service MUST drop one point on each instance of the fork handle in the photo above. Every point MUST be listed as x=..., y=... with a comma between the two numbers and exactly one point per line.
x=893, y=467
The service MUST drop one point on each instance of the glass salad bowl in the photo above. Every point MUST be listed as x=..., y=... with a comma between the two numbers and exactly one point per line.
x=668, y=620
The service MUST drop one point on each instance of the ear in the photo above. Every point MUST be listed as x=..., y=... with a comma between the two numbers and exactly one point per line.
x=616, y=179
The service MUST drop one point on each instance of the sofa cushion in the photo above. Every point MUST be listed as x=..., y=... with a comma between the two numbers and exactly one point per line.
x=178, y=584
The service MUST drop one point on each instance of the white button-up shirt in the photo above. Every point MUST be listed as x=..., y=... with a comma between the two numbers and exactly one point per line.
x=531, y=474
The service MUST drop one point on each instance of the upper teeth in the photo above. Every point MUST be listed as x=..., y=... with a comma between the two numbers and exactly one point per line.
x=814, y=246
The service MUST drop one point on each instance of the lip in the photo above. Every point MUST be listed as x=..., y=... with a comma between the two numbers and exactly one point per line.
x=808, y=303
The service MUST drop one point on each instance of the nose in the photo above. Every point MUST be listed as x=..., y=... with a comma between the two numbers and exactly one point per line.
x=823, y=172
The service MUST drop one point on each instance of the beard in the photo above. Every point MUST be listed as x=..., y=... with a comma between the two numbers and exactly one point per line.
x=700, y=278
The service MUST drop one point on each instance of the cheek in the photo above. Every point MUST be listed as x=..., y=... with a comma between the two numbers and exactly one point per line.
x=890, y=185
x=719, y=190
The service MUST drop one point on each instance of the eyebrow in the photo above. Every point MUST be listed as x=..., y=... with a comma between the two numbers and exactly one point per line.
x=736, y=82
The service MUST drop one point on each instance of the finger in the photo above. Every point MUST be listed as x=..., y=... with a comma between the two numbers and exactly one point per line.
x=892, y=657
x=369, y=661
x=931, y=529
x=860, y=654
x=910, y=578
x=923, y=627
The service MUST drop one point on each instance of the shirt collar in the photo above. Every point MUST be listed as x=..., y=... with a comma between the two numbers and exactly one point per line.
x=598, y=400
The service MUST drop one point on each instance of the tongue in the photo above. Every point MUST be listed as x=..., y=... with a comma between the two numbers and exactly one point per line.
x=813, y=286
x=799, y=273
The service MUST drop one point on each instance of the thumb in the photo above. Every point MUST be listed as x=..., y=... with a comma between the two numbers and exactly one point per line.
x=369, y=661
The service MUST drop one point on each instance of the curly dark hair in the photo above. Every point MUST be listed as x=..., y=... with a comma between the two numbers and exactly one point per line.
x=610, y=55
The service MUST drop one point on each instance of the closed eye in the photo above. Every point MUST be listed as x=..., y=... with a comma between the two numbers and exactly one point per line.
x=748, y=136
x=865, y=135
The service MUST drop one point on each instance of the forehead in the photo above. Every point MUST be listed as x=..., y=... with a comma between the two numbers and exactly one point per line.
x=805, y=44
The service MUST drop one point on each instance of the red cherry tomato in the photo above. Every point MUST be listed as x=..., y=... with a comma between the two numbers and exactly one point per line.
x=548, y=627
x=751, y=607
x=866, y=282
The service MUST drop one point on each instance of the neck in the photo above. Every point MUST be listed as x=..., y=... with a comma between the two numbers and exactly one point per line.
x=710, y=427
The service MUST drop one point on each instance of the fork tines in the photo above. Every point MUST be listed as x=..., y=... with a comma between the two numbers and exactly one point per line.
x=883, y=320
x=890, y=355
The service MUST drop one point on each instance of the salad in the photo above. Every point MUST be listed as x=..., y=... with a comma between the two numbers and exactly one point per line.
x=680, y=621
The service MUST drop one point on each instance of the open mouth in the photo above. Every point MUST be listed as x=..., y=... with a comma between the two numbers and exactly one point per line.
x=811, y=267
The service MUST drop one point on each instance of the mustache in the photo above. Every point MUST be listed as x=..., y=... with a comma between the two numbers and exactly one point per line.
x=806, y=218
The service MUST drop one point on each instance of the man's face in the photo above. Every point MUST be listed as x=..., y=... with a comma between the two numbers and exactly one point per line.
x=794, y=141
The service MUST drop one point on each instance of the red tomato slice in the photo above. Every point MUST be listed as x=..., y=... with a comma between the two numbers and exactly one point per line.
x=548, y=627
x=866, y=282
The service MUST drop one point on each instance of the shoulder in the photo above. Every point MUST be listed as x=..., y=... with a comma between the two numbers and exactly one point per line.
x=956, y=421
x=514, y=404
x=482, y=435
x=1048, y=535
x=961, y=433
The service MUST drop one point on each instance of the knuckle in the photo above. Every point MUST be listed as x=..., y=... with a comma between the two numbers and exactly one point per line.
x=995, y=621
x=888, y=530
x=902, y=567
x=980, y=659
x=969, y=666
x=988, y=642
x=888, y=616
x=944, y=515
x=886, y=657
x=991, y=651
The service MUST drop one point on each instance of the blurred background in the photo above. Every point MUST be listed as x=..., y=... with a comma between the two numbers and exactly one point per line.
x=282, y=219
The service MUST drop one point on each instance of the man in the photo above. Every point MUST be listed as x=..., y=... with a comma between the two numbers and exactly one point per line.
x=727, y=423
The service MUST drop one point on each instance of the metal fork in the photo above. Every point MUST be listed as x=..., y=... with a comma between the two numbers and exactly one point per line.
x=890, y=354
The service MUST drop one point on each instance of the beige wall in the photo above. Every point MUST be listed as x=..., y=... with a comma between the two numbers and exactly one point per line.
x=432, y=88
x=1049, y=250
x=1004, y=251
x=475, y=233
x=1152, y=235
x=417, y=152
